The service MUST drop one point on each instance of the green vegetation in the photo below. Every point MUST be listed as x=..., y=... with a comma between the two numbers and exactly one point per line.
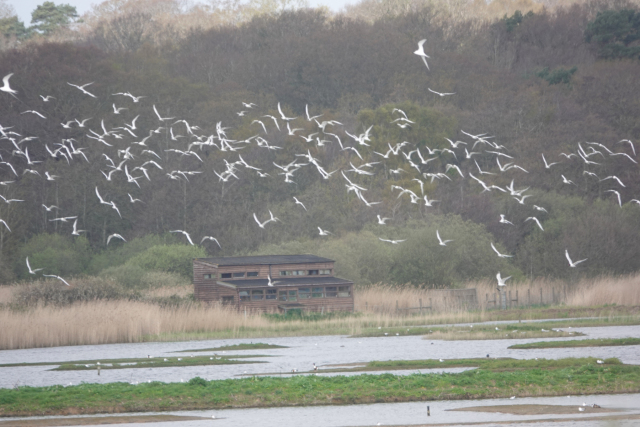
x=557, y=76
x=501, y=378
x=616, y=33
x=155, y=53
x=132, y=363
x=235, y=347
x=601, y=342
x=477, y=332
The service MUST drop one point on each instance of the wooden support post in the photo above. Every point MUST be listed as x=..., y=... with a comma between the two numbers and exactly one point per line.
x=517, y=300
x=503, y=300
x=509, y=298
x=420, y=305
x=541, y=302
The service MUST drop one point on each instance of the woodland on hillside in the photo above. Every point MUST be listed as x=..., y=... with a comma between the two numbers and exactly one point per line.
x=535, y=78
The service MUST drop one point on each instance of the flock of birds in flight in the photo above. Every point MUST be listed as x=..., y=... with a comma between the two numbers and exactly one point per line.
x=325, y=134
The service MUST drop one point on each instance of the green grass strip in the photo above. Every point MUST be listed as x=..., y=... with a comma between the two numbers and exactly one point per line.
x=251, y=346
x=602, y=342
x=574, y=377
x=155, y=362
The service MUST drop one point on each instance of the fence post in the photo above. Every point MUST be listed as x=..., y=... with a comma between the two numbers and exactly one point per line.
x=517, y=300
x=420, y=305
x=509, y=298
x=541, y=302
x=503, y=300
x=396, y=306
x=529, y=297
x=430, y=304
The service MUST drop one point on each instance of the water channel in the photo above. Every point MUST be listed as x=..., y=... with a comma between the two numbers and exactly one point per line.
x=302, y=352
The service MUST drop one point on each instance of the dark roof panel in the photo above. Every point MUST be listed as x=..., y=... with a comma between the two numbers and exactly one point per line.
x=298, y=281
x=265, y=259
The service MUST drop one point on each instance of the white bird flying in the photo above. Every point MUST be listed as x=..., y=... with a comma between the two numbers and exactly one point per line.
x=117, y=236
x=393, y=242
x=6, y=88
x=548, y=165
x=75, y=231
x=185, y=233
x=117, y=110
x=57, y=277
x=32, y=271
x=630, y=143
x=571, y=263
x=440, y=241
x=285, y=118
x=5, y=224
x=261, y=224
x=617, y=194
x=34, y=112
x=503, y=220
x=534, y=219
x=421, y=54
x=501, y=281
x=499, y=254
x=324, y=232
x=212, y=239
x=298, y=202
x=438, y=93
x=132, y=199
x=82, y=88
x=162, y=119
x=614, y=178
x=382, y=221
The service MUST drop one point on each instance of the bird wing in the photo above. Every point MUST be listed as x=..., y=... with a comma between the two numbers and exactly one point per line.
x=494, y=248
x=188, y=237
x=566, y=253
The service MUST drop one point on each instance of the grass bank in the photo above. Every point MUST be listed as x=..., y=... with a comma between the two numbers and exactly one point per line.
x=480, y=332
x=602, y=342
x=501, y=364
x=236, y=347
x=519, y=378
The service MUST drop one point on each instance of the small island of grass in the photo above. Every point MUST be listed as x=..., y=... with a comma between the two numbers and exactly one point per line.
x=602, y=342
x=235, y=347
x=496, y=379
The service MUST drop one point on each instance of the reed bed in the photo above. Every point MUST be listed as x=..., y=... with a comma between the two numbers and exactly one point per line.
x=102, y=322
x=599, y=291
x=378, y=306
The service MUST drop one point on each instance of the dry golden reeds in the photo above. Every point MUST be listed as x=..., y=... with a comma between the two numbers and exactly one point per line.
x=117, y=321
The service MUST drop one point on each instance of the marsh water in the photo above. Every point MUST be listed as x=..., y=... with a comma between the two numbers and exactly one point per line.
x=302, y=352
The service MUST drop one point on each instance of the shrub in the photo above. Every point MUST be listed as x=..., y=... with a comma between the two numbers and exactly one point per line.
x=55, y=254
x=169, y=258
x=52, y=292
x=127, y=275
